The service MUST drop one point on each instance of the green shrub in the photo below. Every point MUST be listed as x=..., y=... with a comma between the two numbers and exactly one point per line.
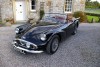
x=41, y=14
x=80, y=14
x=99, y=19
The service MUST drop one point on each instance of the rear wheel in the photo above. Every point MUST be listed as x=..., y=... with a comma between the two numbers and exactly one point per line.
x=53, y=45
x=75, y=30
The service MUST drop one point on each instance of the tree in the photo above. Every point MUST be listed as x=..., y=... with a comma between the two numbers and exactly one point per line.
x=96, y=4
x=90, y=4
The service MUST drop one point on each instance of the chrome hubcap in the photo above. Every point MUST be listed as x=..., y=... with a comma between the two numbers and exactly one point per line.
x=55, y=44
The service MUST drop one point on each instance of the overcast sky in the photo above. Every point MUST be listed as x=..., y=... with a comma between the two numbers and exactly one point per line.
x=96, y=0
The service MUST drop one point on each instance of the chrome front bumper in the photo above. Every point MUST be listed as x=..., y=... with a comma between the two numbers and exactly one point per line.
x=23, y=50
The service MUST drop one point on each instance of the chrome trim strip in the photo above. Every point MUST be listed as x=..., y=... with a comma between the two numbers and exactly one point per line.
x=29, y=51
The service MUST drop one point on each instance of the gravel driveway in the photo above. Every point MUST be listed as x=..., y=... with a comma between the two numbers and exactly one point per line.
x=80, y=50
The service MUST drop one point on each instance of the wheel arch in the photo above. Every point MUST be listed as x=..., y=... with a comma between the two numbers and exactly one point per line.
x=76, y=23
x=58, y=34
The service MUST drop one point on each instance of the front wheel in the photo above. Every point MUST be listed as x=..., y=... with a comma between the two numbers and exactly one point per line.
x=53, y=45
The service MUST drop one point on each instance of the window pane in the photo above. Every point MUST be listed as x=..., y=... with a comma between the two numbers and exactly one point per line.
x=33, y=4
x=33, y=7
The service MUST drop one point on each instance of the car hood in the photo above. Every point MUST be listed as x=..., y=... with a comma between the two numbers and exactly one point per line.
x=42, y=28
x=34, y=32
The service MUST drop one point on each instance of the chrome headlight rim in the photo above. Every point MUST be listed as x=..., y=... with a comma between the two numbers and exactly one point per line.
x=17, y=30
x=43, y=37
x=28, y=45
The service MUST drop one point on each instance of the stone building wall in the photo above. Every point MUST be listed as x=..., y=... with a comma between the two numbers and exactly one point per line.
x=56, y=6
x=79, y=5
x=6, y=9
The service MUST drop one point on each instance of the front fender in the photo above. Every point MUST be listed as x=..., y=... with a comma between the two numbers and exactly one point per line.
x=59, y=33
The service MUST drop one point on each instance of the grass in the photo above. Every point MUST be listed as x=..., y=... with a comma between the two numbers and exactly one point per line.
x=89, y=18
x=95, y=11
x=89, y=10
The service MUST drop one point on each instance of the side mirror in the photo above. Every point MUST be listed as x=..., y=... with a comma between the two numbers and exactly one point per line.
x=78, y=18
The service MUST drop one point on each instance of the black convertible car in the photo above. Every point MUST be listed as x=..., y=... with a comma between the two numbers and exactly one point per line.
x=45, y=35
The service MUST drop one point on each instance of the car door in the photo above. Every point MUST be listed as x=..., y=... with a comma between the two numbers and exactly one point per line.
x=66, y=28
x=71, y=27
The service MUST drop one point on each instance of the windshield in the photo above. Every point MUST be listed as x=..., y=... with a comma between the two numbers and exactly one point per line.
x=49, y=19
x=52, y=18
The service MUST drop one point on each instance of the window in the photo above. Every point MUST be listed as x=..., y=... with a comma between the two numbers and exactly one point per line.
x=68, y=6
x=33, y=5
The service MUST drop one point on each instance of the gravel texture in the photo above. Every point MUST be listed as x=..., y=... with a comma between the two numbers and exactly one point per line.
x=80, y=50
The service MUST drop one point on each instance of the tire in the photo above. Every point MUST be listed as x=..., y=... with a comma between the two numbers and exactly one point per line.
x=53, y=45
x=75, y=30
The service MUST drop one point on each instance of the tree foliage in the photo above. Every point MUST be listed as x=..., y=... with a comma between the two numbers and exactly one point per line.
x=94, y=4
x=80, y=14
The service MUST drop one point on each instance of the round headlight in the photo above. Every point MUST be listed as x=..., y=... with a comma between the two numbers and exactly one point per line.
x=43, y=37
x=17, y=30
